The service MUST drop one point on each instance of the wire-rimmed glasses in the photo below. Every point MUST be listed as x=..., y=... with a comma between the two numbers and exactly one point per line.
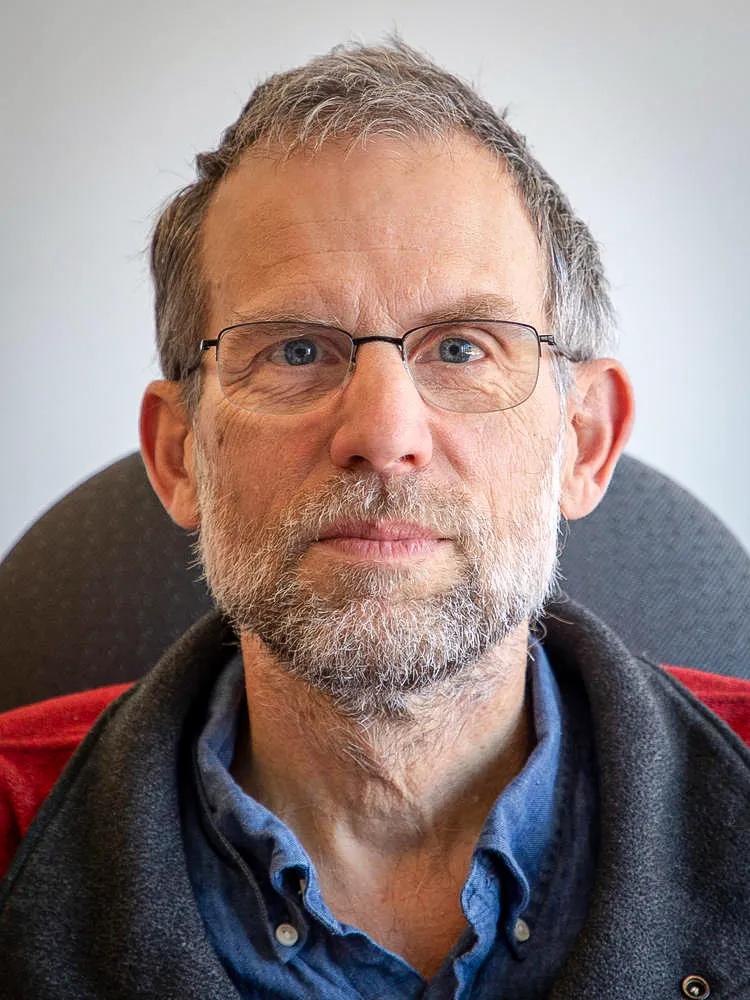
x=472, y=366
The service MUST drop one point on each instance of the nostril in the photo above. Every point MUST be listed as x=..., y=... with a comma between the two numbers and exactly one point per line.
x=354, y=459
x=385, y=469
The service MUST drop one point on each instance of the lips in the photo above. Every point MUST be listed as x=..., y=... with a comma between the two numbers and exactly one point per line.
x=380, y=541
x=384, y=531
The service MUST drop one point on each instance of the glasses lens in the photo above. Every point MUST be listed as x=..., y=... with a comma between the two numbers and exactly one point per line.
x=476, y=366
x=282, y=367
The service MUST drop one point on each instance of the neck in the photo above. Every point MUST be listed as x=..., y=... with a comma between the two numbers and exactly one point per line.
x=388, y=784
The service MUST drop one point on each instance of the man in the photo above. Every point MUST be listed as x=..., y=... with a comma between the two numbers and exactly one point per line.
x=381, y=772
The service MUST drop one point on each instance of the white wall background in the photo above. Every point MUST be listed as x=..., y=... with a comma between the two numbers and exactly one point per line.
x=641, y=110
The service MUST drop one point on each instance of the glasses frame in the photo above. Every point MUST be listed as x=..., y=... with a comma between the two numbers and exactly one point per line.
x=545, y=339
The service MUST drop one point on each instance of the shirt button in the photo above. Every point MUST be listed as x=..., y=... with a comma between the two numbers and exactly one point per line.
x=521, y=931
x=287, y=935
x=696, y=986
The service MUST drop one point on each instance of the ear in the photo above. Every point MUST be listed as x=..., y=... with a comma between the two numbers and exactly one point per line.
x=167, y=450
x=600, y=413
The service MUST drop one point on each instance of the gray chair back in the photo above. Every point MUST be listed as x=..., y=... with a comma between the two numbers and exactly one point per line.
x=103, y=583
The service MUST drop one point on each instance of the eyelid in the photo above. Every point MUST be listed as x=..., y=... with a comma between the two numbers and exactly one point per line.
x=466, y=329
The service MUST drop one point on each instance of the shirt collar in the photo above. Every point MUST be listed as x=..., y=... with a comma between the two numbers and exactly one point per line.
x=519, y=827
x=239, y=817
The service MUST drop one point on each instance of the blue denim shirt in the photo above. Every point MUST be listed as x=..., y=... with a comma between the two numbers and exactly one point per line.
x=524, y=898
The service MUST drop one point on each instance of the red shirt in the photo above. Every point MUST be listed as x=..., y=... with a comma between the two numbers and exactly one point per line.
x=37, y=741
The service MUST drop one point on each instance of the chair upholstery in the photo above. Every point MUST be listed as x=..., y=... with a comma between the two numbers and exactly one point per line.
x=103, y=583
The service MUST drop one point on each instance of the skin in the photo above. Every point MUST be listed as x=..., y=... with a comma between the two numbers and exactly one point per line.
x=381, y=240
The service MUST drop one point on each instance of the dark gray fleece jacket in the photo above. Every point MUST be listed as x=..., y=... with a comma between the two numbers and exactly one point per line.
x=98, y=902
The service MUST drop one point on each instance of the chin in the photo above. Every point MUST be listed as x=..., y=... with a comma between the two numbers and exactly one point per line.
x=393, y=582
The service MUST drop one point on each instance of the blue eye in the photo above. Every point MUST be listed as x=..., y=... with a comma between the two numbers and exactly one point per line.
x=457, y=351
x=300, y=352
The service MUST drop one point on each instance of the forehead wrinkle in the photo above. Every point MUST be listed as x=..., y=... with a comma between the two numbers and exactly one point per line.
x=384, y=244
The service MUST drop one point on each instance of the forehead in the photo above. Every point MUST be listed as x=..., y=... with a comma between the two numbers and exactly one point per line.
x=360, y=236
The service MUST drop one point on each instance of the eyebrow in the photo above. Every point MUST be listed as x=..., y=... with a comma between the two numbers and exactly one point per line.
x=484, y=305
x=280, y=316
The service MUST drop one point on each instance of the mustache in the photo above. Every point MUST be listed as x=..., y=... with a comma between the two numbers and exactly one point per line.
x=448, y=511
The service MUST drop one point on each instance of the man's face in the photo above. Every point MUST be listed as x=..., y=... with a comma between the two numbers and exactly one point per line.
x=377, y=544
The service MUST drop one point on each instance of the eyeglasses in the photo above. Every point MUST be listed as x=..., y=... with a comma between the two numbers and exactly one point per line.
x=469, y=366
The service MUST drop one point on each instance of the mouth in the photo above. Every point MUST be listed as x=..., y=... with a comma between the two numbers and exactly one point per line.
x=381, y=541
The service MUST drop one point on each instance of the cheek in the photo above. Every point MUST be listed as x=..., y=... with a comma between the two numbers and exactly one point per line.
x=259, y=462
x=503, y=459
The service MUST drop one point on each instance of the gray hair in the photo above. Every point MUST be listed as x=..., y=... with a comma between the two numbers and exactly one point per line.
x=356, y=93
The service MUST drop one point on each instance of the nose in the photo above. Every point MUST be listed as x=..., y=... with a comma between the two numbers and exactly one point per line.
x=383, y=422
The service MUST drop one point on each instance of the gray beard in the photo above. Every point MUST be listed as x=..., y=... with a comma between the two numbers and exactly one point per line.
x=373, y=641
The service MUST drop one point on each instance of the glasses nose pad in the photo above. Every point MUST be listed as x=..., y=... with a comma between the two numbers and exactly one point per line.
x=412, y=376
x=354, y=347
x=349, y=373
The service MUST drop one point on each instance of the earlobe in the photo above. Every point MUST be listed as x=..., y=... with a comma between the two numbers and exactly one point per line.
x=167, y=448
x=600, y=417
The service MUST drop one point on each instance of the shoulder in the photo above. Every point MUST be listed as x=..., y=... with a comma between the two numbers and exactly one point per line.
x=36, y=742
x=727, y=697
